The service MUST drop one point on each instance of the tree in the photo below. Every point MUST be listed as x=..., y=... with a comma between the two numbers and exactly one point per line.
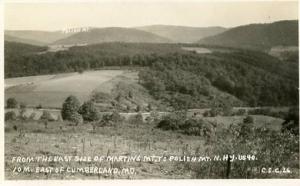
x=46, y=116
x=10, y=116
x=89, y=111
x=76, y=118
x=138, y=108
x=70, y=107
x=149, y=107
x=291, y=122
x=11, y=103
x=23, y=105
x=130, y=95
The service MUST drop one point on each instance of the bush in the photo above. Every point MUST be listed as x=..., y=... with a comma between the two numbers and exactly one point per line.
x=227, y=110
x=89, y=111
x=138, y=108
x=46, y=116
x=70, y=108
x=80, y=70
x=76, y=118
x=248, y=119
x=173, y=121
x=291, y=122
x=106, y=120
x=116, y=117
x=39, y=106
x=240, y=112
x=153, y=118
x=11, y=103
x=206, y=114
x=10, y=116
x=32, y=116
x=23, y=106
x=198, y=128
x=215, y=111
x=138, y=119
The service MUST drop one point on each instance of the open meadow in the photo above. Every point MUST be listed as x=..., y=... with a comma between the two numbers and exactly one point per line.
x=125, y=138
x=51, y=90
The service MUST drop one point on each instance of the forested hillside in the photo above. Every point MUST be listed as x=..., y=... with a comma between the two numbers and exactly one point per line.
x=255, y=78
x=112, y=34
x=180, y=78
x=257, y=36
x=182, y=34
x=36, y=36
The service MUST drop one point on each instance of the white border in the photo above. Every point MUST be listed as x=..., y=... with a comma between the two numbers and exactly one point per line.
x=208, y=182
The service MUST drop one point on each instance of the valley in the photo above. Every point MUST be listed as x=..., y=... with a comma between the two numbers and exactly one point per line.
x=153, y=90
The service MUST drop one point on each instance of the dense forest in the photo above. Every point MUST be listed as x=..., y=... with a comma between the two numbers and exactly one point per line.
x=184, y=79
x=253, y=77
x=257, y=36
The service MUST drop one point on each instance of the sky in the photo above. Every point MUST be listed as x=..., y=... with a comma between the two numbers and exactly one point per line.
x=58, y=16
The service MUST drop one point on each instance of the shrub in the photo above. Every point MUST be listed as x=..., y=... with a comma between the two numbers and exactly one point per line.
x=116, y=117
x=22, y=114
x=76, y=118
x=198, y=128
x=39, y=106
x=80, y=70
x=215, y=111
x=11, y=103
x=227, y=110
x=130, y=95
x=70, y=108
x=192, y=127
x=138, y=119
x=172, y=121
x=248, y=120
x=291, y=122
x=23, y=105
x=149, y=107
x=89, y=111
x=106, y=120
x=240, y=112
x=138, y=108
x=153, y=118
x=32, y=115
x=46, y=116
x=206, y=114
x=11, y=115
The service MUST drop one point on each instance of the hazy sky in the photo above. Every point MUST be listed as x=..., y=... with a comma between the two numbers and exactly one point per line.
x=56, y=16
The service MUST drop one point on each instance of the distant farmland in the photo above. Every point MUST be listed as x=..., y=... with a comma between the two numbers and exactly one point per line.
x=52, y=90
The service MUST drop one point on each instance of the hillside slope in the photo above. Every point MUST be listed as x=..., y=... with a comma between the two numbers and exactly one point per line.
x=112, y=34
x=44, y=37
x=21, y=40
x=182, y=34
x=257, y=36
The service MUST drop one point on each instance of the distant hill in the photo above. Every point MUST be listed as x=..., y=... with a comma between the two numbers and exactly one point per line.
x=112, y=34
x=44, y=37
x=257, y=36
x=182, y=34
x=21, y=40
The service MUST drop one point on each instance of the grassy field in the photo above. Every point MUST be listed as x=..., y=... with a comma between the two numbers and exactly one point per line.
x=126, y=139
x=31, y=138
x=52, y=90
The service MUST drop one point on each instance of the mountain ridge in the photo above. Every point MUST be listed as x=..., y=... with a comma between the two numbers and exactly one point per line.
x=257, y=36
x=112, y=34
x=182, y=34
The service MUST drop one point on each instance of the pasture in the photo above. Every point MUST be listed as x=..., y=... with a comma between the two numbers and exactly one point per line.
x=32, y=138
x=51, y=90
